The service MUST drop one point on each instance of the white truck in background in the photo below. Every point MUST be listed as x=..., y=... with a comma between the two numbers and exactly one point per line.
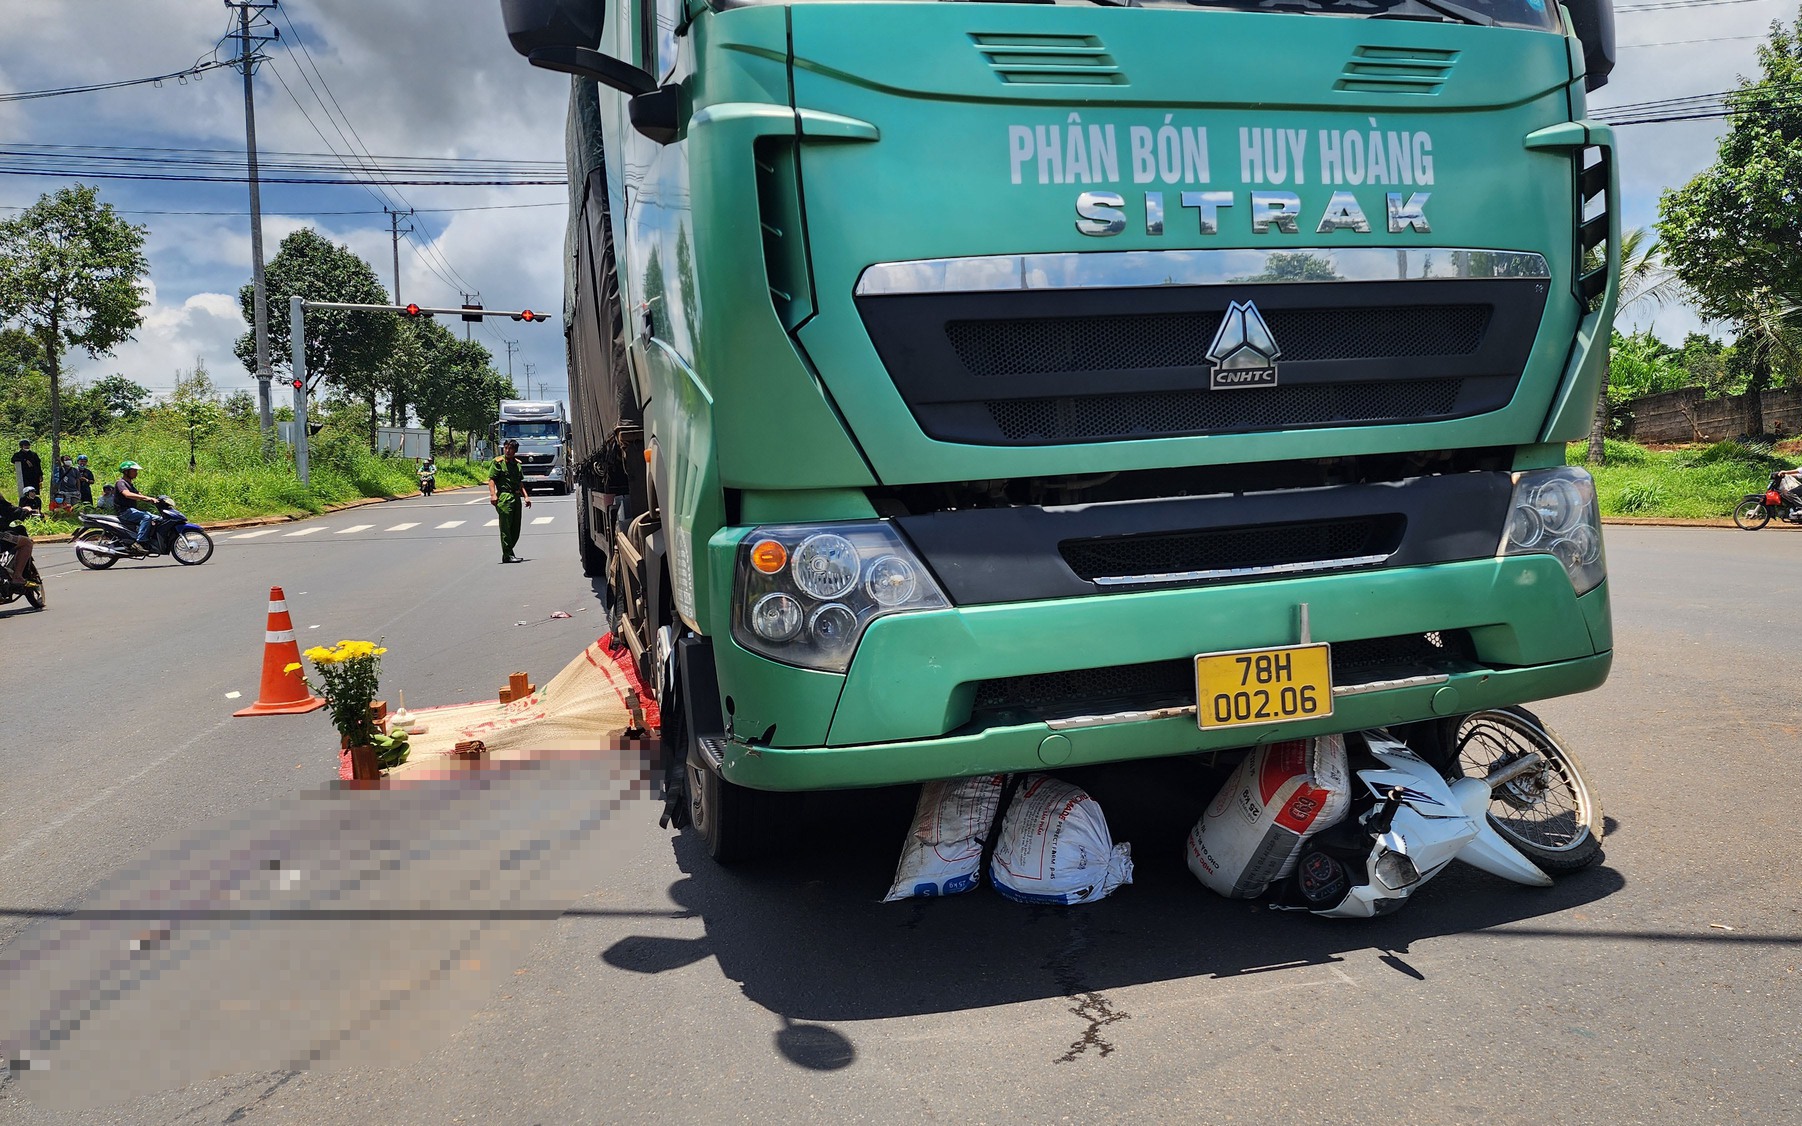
x=542, y=430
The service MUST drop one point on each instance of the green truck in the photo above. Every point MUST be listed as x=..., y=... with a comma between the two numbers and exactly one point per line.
x=987, y=387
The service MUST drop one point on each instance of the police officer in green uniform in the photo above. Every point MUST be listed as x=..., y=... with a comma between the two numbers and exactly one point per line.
x=507, y=493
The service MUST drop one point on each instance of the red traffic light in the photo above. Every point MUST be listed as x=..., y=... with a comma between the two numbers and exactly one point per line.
x=412, y=310
x=296, y=385
x=525, y=315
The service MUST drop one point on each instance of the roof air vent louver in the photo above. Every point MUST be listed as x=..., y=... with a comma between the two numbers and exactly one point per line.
x=1419, y=71
x=1049, y=60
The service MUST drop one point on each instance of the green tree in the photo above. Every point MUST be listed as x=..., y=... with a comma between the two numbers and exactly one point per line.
x=122, y=398
x=453, y=370
x=346, y=349
x=240, y=405
x=1645, y=280
x=71, y=275
x=195, y=384
x=1733, y=233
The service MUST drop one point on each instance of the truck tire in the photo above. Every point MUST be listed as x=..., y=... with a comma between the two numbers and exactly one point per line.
x=734, y=823
x=594, y=560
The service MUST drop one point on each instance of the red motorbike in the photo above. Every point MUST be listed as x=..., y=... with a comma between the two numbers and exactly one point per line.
x=1756, y=510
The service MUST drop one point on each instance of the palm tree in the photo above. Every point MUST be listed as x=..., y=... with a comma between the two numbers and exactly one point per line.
x=1644, y=279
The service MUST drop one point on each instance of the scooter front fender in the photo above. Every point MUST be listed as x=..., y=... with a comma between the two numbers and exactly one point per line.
x=1489, y=850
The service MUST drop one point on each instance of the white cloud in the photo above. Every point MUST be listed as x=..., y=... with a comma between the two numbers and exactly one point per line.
x=172, y=337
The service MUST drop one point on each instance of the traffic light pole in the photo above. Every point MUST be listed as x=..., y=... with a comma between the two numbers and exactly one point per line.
x=297, y=336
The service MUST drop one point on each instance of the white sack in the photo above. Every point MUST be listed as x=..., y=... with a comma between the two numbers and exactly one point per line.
x=943, y=853
x=1055, y=847
x=1281, y=794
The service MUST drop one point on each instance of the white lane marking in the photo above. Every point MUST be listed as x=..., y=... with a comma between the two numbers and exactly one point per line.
x=478, y=500
x=451, y=524
x=304, y=532
x=258, y=532
x=402, y=527
x=492, y=524
x=542, y=519
x=355, y=528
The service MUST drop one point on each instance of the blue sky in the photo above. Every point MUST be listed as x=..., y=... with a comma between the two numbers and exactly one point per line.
x=436, y=78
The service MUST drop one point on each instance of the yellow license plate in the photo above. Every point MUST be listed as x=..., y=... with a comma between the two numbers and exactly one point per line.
x=1258, y=686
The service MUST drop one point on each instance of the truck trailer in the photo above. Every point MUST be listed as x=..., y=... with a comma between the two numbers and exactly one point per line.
x=969, y=388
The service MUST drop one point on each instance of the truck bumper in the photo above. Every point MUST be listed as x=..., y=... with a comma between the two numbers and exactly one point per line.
x=910, y=707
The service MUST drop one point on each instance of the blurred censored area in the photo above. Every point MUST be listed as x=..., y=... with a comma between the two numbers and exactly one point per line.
x=355, y=925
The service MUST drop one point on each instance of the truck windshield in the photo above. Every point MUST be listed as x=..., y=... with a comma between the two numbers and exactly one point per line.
x=1537, y=15
x=525, y=430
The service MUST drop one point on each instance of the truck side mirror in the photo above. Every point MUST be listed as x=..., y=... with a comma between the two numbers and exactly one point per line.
x=561, y=35
x=1593, y=21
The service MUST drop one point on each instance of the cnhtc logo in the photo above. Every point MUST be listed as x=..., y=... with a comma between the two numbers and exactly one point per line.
x=1244, y=353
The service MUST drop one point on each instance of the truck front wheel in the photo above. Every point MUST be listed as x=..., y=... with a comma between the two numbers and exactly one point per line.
x=733, y=822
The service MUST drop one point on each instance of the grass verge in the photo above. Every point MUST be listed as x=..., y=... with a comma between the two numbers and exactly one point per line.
x=1696, y=482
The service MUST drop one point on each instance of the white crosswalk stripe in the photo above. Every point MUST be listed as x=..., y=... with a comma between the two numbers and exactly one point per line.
x=304, y=532
x=542, y=519
x=255, y=534
x=355, y=528
x=492, y=524
x=478, y=500
x=403, y=527
x=451, y=524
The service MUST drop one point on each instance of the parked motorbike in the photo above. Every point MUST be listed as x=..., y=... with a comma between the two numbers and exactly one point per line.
x=1516, y=807
x=106, y=539
x=1755, y=510
x=428, y=479
x=9, y=590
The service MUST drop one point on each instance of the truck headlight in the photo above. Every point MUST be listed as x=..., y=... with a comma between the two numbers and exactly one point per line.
x=804, y=593
x=1554, y=512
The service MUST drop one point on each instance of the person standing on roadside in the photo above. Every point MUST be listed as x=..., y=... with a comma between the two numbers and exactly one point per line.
x=85, y=477
x=507, y=493
x=30, y=469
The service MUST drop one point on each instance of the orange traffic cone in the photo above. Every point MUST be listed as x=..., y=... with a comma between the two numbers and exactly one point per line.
x=283, y=693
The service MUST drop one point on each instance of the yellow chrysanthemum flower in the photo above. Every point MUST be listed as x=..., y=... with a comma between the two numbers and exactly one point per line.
x=294, y=667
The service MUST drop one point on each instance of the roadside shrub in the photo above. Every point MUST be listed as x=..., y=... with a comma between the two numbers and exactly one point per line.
x=1639, y=497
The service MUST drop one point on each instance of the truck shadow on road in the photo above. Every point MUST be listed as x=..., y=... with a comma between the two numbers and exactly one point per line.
x=806, y=936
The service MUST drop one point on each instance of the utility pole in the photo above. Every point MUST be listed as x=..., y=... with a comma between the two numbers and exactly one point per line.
x=529, y=367
x=512, y=347
x=394, y=218
x=247, y=61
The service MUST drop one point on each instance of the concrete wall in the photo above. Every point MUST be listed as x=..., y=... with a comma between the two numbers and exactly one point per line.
x=1687, y=416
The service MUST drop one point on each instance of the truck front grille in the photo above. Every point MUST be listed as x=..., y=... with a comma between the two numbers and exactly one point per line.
x=1042, y=365
x=1234, y=549
x=1089, y=417
x=1181, y=339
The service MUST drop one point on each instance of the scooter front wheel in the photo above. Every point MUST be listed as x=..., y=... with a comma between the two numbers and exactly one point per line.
x=1752, y=514
x=1546, y=812
x=88, y=540
x=35, y=594
x=191, y=547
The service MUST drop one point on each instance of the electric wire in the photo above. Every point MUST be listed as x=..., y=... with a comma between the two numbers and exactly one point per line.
x=181, y=76
x=296, y=37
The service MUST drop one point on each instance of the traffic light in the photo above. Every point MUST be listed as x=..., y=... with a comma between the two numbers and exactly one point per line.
x=295, y=384
x=525, y=315
x=413, y=310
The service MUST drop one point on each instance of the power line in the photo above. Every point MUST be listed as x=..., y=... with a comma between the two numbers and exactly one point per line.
x=305, y=50
x=181, y=76
x=327, y=181
x=315, y=214
x=1673, y=5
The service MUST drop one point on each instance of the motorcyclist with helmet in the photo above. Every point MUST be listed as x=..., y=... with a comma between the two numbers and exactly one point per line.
x=21, y=543
x=134, y=509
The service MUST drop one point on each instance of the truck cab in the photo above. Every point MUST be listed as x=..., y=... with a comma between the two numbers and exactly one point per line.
x=542, y=430
x=971, y=388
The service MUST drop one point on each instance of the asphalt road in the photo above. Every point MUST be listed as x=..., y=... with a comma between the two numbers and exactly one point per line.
x=1661, y=986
